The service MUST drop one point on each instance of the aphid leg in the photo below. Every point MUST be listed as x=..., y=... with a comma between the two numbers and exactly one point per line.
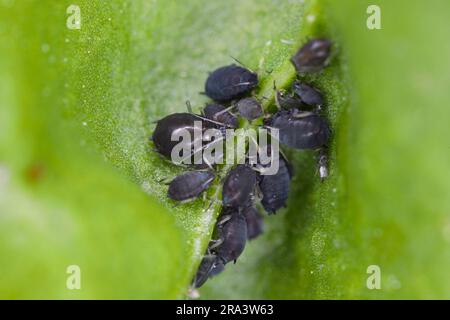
x=165, y=180
x=322, y=163
x=215, y=243
x=223, y=220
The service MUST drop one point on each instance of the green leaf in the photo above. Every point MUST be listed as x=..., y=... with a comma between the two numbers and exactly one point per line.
x=80, y=185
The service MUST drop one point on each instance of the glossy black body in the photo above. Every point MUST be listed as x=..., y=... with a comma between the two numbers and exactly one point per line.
x=210, y=266
x=308, y=94
x=230, y=82
x=170, y=124
x=313, y=56
x=275, y=188
x=255, y=223
x=301, y=130
x=233, y=233
x=190, y=185
x=238, y=186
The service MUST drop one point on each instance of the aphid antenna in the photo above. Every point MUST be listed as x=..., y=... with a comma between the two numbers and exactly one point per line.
x=239, y=62
x=189, y=107
x=225, y=110
x=212, y=121
x=303, y=114
x=200, y=150
x=165, y=180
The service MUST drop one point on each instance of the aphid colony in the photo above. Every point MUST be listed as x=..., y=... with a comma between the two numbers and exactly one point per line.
x=300, y=126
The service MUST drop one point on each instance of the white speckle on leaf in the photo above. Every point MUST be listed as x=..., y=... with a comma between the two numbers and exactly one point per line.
x=146, y=187
x=318, y=242
x=287, y=41
x=311, y=18
x=393, y=283
x=84, y=123
x=334, y=190
x=45, y=47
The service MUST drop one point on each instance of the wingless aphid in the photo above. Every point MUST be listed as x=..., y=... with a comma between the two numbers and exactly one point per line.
x=232, y=232
x=220, y=114
x=210, y=266
x=301, y=130
x=238, y=186
x=167, y=126
x=275, y=188
x=255, y=223
x=313, y=56
x=249, y=108
x=190, y=185
x=230, y=82
x=307, y=94
x=285, y=100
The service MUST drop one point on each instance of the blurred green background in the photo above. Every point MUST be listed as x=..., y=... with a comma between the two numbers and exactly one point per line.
x=79, y=185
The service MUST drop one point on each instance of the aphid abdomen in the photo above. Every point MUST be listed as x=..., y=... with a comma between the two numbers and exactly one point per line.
x=210, y=266
x=233, y=233
x=249, y=108
x=275, y=188
x=308, y=95
x=255, y=223
x=313, y=56
x=230, y=82
x=301, y=130
x=217, y=112
x=238, y=186
x=162, y=136
x=190, y=185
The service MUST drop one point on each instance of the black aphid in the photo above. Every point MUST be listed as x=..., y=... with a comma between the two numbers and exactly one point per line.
x=307, y=94
x=169, y=125
x=301, y=130
x=230, y=82
x=219, y=113
x=210, y=266
x=285, y=100
x=232, y=232
x=313, y=56
x=238, y=186
x=275, y=188
x=255, y=223
x=249, y=108
x=190, y=185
